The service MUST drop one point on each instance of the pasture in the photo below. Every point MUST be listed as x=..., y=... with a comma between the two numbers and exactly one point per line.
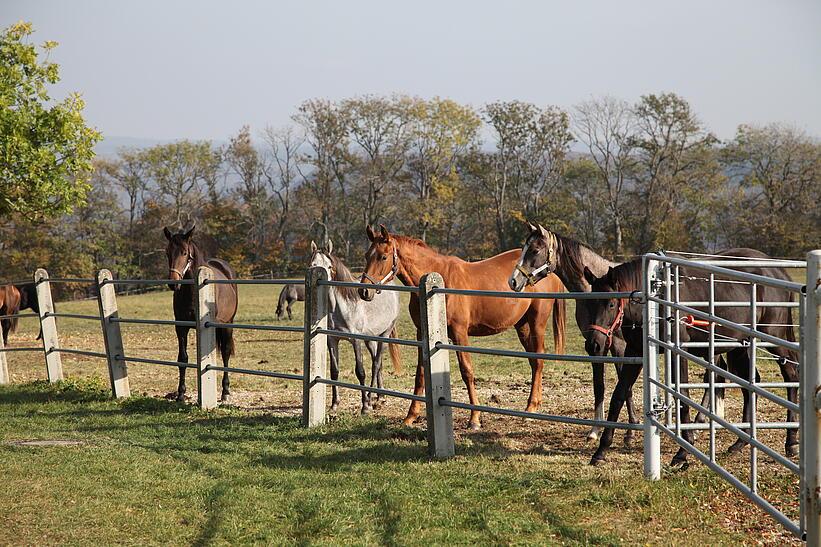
x=150, y=470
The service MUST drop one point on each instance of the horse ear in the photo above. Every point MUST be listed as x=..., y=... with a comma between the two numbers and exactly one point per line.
x=588, y=275
x=530, y=226
x=330, y=246
x=384, y=232
x=313, y=246
x=370, y=232
x=167, y=233
x=190, y=232
x=543, y=230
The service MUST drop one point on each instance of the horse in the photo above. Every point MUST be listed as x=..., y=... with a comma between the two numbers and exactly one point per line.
x=545, y=253
x=348, y=313
x=288, y=295
x=623, y=317
x=9, y=305
x=407, y=259
x=184, y=258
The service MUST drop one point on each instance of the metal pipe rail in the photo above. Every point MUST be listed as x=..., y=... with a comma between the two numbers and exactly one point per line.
x=84, y=352
x=191, y=324
x=540, y=415
x=743, y=343
x=155, y=361
x=735, y=274
x=148, y=282
x=18, y=315
x=741, y=304
x=72, y=316
x=245, y=326
x=358, y=285
x=9, y=350
x=367, y=337
x=545, y=356
x=379, y=390
x=729, y=477
x=731, y=385
x=740, y=433
x=253, y=282
x=727, y=375
x=68, y=280
x=763, y=425
x=253, y=372
x=729, y=324
x=543, y=295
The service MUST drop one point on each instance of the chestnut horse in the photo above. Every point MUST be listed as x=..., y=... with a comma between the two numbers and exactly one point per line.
x=184, y=258
x=408, y=259
x=9, y=305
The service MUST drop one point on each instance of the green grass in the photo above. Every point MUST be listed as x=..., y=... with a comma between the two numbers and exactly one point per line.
x=154, y=471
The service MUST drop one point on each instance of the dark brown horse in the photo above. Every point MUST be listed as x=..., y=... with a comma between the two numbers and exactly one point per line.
x=408, y=259
x=13, y=300
x=184, y=258
x=625, y=316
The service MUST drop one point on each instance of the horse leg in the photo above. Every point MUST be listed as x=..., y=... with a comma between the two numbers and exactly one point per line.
x=182, y=357
x=288, y=308
x=598, y=399
x=418, y=386
x=789, y=372
x=680, y=459
x=466, y=369
x=333, y=350
x=719, y=392
x=531, y=343
x=360, y=375
x=629, y=374
x=226, y=337
x=376, y=350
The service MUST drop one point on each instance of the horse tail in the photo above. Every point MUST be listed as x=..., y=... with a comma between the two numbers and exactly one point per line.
x=559, y=319
x=396, y=357
x=225, y=342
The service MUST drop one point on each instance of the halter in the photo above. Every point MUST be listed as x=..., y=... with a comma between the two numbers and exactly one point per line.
x=184, y=270
x=617, y=321
x=389, y=276
x=531, y=275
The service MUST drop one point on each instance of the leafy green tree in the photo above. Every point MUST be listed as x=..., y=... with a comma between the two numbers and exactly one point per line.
x=45, y=146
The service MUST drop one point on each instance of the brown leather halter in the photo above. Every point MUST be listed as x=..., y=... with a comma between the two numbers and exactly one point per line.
x=617, y=321
x=184, y=270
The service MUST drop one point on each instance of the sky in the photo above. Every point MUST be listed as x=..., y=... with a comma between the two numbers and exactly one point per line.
x=201, y=69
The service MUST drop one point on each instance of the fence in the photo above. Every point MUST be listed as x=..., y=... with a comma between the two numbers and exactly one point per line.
x=660, y=293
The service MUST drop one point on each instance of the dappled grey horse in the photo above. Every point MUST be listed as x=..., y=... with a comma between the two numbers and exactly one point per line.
x=349, y=313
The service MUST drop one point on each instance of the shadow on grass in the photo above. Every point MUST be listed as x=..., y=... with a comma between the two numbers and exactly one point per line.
x=71, y=390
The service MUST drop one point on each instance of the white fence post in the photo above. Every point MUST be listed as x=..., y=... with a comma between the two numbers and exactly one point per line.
x=652, y=440
x=48, y=324
x=4, y=367
x=434, y=325
x=810, y=398
x=315, y=349
x=206, y=339
x=117, y=368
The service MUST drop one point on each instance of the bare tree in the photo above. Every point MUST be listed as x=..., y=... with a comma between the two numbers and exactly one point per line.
x=606, y=127
x=281, y=170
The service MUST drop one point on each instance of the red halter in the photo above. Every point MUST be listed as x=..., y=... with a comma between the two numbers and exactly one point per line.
x=613, y=327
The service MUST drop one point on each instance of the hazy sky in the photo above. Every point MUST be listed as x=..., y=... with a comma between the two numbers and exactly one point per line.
x=201, y=69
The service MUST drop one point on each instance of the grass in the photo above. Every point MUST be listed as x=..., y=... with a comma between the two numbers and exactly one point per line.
x=155, y=471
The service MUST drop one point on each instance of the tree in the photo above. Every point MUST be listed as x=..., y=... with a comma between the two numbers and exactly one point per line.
x=531, y=145
x=775, y=172
x=676, y=172
x=281, y=170
x=606, y=127
x=128, y=172
x=181, y=171
x=443, y=132
x=46, y=147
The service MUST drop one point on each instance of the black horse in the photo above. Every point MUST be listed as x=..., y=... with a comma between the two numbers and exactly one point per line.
x=14, y=299
x=623, y=317
x=184, y=258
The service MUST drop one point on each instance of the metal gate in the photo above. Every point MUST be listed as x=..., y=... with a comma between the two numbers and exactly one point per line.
x=666, y=393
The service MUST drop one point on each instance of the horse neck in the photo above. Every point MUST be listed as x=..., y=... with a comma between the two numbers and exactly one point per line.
x=574, y=279
x=416, y=260
x=199, y=260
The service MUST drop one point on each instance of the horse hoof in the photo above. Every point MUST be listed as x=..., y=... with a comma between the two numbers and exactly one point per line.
x=409, y=421
x=596, y=461
x=791, y=450
x=628, y=442
x=474, y=426
x=180, y=397
x=679, y=463
x=736, y=447
x=592, y=436
x=226, y=399
x=366, y=410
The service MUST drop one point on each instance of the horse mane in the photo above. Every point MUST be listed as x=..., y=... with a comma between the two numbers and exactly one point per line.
x=407, y=240
x=627, y=276
x=571, y=251
x=342, y=273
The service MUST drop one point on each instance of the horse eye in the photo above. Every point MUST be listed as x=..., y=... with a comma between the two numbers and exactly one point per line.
x=383, y=257
x=612, y=305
